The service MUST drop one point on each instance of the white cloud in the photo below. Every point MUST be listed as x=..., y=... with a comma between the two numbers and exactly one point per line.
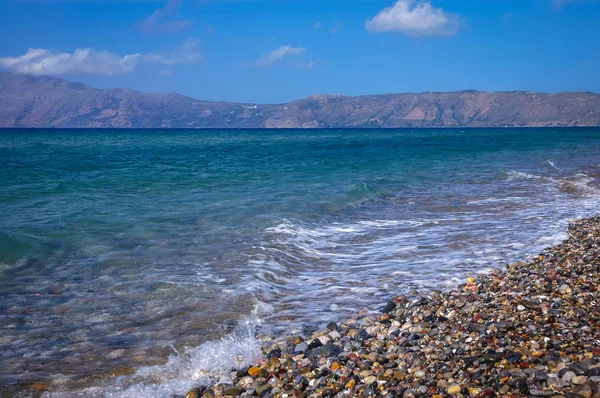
x=163, y=19
x=318, y=25
x=277, y=54
x=87, y=61
x=415, y=18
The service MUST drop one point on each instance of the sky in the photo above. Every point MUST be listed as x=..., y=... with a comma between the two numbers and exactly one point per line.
x=274, y=51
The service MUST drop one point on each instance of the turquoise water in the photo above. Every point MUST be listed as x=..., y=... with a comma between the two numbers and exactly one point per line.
x=122, y=247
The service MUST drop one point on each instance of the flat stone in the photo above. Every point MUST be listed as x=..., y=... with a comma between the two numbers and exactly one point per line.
x=325, y=351
x=233, y=390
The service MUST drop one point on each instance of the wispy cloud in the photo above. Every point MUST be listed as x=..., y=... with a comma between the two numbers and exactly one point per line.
x=335, y=28
x=87, y=61
x=332, y=30
x=187, y=53
x=277, y=54
x=415, y=18
x=305, y=65
x=165, y=72
x=165, y=19
x=557, y=5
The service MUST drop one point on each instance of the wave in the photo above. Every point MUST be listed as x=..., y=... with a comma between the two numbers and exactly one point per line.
x=519, y=175
x=576, y=184
x=205, y=364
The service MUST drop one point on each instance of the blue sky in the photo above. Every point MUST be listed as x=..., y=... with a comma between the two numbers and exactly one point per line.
x=271, y=51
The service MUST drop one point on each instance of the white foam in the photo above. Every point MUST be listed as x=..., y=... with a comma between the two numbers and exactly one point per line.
x=208, y=363
x=519, y=175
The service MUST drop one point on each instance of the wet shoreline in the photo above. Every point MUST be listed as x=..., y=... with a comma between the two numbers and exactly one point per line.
x=531, y=330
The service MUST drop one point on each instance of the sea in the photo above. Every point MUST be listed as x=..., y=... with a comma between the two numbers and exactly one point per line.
x=145, y=262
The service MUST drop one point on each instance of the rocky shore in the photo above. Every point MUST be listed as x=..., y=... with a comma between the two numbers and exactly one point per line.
x=532, y=330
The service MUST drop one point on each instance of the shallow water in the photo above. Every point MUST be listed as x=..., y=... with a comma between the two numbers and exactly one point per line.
x=122, y=247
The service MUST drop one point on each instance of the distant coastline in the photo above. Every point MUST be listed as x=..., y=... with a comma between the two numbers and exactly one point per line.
x=48, y=102
x=87, y=129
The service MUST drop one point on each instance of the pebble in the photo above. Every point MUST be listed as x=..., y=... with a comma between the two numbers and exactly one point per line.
x=350, y=384
x=419, y=374
x=568, y=376
x=192, y=394
x=578, y=380
x=233, y=390
x=580, y=369
x=540, y=376
x=116, y=353
x=254, y=371
x=453, y=389
x=264, y=390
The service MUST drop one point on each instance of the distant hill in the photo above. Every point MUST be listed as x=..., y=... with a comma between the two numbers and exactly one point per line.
x=27, y=101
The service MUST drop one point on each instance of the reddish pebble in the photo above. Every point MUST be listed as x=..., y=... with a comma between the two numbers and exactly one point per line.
x=488, y=392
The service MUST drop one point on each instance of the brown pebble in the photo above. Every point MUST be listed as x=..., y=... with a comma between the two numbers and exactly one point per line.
x=192, y=394
x=254, y=371
x=350, y=384
x=579, y=380
x=453, y=389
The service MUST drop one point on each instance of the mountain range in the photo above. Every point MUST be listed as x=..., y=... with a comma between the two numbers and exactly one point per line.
x=42, y=101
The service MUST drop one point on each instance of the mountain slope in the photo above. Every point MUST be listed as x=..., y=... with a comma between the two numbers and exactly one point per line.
x=27, y=101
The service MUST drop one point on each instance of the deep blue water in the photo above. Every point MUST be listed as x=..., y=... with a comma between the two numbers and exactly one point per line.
x=118, y=247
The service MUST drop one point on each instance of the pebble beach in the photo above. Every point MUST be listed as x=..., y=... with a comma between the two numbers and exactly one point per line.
x=530, y=330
